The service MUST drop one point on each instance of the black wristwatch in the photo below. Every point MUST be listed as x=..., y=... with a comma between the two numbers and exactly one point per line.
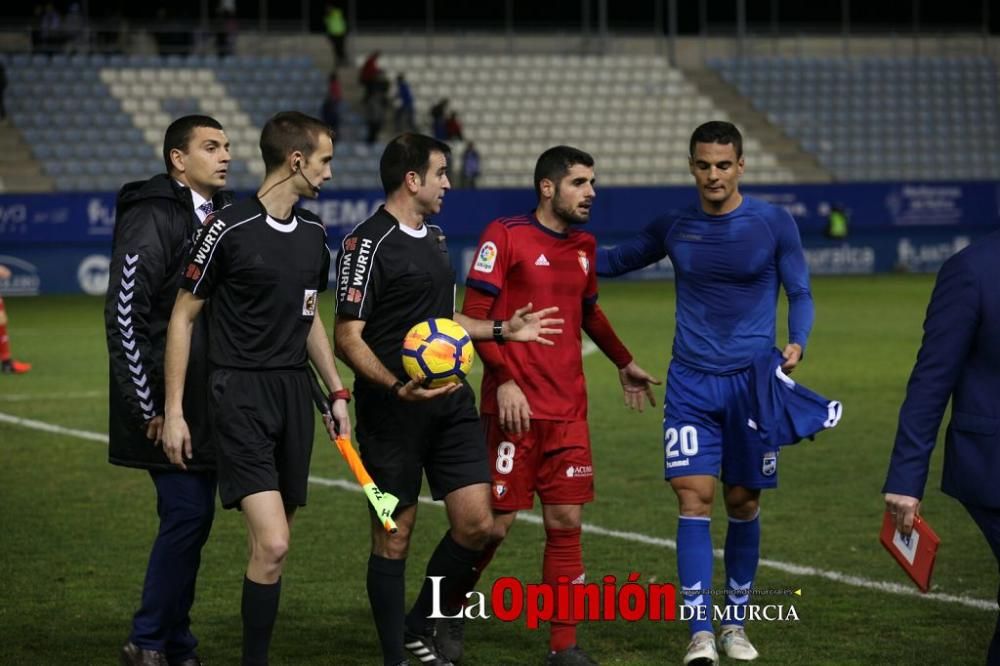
x=396, y=388
x=498, y=331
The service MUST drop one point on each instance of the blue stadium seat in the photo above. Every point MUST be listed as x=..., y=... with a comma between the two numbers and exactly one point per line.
x=844, y=109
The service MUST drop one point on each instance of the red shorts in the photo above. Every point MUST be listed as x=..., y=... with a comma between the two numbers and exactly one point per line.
x=552, y=459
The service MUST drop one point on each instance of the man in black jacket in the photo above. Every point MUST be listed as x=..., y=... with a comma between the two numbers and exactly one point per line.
x=155, y=226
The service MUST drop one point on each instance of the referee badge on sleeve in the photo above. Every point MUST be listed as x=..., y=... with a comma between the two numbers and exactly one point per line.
x=309, y=303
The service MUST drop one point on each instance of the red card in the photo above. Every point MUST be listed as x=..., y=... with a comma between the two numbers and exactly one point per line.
x=915, y=554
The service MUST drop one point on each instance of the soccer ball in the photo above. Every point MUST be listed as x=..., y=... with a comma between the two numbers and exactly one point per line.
x=439, y=351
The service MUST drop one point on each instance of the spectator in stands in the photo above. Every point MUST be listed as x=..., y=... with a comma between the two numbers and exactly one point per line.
x=75, y=30
x=453, y=128
x=226, y=28
x=3, y=89
x=48, y=38
x=376, y=103
x=369, y=72
x=438, y=121
x=330, y=112
x=470, y=166
x=404, y=121
x=7, y=364
x=336, y=32
x=172, y=35
x=108, y=36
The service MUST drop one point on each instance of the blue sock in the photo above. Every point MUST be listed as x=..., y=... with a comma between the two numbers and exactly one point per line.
x=694, y=568
x=742, y=555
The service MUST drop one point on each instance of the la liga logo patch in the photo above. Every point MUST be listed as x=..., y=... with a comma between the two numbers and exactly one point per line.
x=487, y=258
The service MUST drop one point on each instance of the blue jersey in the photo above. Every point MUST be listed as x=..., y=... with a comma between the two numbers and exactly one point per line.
x=784, y=411
x=728, y=268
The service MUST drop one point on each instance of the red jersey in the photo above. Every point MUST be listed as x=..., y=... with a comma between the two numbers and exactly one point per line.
x=520, y=261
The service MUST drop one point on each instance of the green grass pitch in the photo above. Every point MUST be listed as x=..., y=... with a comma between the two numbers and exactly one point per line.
x=75, y=531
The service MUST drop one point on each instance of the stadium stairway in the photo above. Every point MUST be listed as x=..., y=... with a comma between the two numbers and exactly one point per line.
x=19, y=171
x=789, y=153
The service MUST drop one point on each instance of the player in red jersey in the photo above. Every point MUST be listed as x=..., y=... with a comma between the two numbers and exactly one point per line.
x=7, y=364
x=534, y=399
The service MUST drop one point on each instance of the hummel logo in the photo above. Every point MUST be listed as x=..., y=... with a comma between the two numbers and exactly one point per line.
x=541, y=261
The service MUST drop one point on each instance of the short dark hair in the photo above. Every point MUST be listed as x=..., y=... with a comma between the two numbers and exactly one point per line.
x=408, y=152
x=556, y=162
x=178, y=134
x=288, y=131
x=717, y=131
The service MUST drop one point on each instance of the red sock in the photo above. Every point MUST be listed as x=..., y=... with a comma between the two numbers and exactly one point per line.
x=563, y=557
x=4, y=344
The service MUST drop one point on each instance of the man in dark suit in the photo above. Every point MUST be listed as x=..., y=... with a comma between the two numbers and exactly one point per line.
x=156, y=222
x=958, y=359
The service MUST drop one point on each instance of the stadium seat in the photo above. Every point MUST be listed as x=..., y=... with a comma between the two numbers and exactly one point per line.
x=835, y=106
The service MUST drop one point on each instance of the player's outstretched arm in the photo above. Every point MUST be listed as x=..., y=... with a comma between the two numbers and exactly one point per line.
x=646, y=248
x=321, y=354
x=637, y=385
x=524, y=325
x=176, y=436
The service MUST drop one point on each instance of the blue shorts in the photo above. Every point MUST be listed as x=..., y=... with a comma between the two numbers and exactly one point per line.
x=707, y=428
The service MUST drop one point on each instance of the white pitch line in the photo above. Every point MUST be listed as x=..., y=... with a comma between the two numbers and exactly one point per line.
x=785, y=567
x=67, y=395
x=56, y=429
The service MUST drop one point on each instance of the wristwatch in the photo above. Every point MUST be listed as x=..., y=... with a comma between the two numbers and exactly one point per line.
x=498, y=331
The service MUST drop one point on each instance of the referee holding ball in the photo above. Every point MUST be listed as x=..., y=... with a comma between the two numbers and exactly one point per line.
x=394, y=271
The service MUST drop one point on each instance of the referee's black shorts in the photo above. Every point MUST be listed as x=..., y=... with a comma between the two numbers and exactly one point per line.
x=263, y=424
x=400, y=440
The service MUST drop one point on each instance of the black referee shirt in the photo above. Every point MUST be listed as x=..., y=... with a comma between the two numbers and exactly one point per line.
x=264, y=277
x=393, y=277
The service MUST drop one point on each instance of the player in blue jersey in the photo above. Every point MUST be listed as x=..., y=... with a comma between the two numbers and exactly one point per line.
x=730, y=254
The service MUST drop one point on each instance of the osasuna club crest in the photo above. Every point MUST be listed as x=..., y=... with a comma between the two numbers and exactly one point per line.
x=769, y=464
x=584, y=261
